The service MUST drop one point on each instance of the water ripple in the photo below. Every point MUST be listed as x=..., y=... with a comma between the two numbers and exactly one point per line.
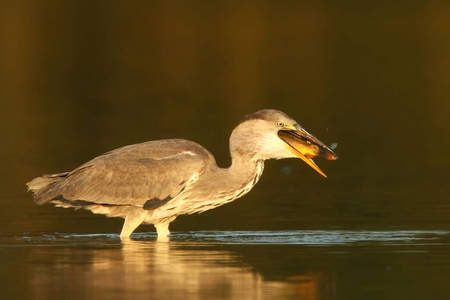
x=300, y=237
x=315, y=237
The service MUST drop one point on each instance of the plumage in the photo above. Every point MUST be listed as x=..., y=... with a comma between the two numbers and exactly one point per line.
x=154, y=182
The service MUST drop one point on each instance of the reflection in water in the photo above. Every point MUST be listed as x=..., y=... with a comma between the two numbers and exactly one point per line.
x=215, y=265
x=162, y=270
x=177, y=272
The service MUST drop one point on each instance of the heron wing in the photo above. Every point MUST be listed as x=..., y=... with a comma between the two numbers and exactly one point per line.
x=133, y=175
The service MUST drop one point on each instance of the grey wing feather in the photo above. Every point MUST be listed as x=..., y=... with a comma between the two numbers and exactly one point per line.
x=127, y=176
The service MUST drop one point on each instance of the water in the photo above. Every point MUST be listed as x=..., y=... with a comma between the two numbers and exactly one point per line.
x=230, y=265
x=81, y=78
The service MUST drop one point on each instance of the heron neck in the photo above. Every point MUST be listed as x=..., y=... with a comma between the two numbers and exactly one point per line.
x=246, y=170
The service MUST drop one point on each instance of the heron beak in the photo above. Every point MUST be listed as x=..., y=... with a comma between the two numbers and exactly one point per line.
x=306, y=146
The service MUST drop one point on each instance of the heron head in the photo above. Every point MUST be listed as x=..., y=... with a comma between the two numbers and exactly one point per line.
x=271, y=134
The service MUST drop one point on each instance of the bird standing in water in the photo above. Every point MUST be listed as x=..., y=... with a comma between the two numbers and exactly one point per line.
x=154, y=182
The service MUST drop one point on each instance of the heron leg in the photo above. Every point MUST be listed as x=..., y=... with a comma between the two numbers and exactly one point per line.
x=162, y=229
x=133, y=219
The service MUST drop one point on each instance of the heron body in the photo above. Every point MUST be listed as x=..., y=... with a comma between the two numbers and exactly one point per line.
x=154, y=182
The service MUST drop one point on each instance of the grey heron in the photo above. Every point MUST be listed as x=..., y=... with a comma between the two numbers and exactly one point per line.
x=154, y=182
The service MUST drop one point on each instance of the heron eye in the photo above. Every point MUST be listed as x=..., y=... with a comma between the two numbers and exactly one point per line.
x=280, y=124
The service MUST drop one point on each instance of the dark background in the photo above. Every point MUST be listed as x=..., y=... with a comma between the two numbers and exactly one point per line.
x=79, y=78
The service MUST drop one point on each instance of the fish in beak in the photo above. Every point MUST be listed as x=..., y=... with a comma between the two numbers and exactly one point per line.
x=306, y=146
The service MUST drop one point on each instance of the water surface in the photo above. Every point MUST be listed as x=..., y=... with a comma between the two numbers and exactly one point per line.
x=230, y=265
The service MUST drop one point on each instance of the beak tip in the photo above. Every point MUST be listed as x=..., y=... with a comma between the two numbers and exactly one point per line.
x=322, y=173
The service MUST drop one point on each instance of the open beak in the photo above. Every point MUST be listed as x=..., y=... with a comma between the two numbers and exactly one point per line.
x=306, y=146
